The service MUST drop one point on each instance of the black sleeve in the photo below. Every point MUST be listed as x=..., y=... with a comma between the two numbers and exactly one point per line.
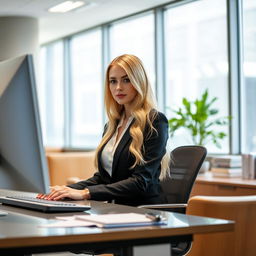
x=142, y=175
x=94, y=180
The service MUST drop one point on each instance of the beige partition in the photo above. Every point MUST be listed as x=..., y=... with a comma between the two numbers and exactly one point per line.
x=65, y=166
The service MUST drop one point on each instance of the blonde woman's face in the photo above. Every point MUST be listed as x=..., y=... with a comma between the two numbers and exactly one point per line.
x=120, y=86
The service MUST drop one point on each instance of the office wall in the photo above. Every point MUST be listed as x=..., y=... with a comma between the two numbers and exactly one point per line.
x=18, y=35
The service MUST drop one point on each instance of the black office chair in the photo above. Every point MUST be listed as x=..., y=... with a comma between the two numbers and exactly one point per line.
x=185, y=164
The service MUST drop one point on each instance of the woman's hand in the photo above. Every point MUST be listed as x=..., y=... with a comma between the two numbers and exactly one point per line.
x=61, y=192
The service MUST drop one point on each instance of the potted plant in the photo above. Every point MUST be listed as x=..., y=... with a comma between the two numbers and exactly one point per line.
x=199, y=118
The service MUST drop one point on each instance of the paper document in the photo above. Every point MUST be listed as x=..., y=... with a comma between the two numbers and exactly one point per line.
x=119, y=220
x=105, y=221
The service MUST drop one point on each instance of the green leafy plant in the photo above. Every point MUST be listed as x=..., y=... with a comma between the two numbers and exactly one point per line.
x=199, y=118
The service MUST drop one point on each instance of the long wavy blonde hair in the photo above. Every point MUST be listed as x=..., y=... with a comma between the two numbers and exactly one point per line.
x=141, y=110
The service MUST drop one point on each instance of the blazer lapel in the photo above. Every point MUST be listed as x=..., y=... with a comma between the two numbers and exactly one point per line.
x=123, y=142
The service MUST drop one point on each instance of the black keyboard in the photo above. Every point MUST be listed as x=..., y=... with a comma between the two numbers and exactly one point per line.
x=42, y=204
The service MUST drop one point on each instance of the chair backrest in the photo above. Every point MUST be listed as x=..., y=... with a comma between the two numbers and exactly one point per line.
x=185, y=165
x=241, y=241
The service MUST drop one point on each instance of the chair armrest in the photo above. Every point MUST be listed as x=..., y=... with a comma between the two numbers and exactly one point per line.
x=163, y=206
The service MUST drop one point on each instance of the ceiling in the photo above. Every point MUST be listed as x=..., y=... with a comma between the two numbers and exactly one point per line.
x=54, y=26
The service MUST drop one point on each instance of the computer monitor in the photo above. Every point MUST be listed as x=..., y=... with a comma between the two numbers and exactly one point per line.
x=22, y=158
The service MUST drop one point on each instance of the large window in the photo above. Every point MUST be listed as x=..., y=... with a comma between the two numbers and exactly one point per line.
x=51, y=94
x=86, y=89
x=249, y=83
x=196, y=59
x=191, y=56
x=135, y=36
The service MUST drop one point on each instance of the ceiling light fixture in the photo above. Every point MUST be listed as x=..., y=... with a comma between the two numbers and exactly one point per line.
x=66, y=6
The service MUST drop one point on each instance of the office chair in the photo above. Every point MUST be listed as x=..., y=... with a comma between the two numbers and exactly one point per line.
x=239, y=242
x=184, y=167
x=186, y=162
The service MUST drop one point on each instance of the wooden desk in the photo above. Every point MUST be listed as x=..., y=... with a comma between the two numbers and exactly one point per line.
x=20, y=232
x=206, y=184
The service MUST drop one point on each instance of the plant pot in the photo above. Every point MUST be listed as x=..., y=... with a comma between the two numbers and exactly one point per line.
x=205, y=167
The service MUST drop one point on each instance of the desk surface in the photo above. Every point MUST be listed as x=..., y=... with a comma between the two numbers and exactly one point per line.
x=20, y=229
x=208, y=178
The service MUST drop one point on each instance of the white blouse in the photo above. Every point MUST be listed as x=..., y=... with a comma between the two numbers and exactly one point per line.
x=110, y=148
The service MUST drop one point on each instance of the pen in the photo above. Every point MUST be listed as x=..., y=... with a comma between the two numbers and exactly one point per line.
x=154, y=216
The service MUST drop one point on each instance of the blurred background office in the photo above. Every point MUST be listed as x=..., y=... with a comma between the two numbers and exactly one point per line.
x=186, y=46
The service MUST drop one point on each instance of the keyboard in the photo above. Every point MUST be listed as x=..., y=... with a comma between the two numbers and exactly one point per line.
x=42, y=205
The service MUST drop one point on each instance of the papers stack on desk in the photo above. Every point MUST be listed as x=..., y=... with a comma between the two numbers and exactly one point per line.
x=119, y=220
x=226, y=172
x=227, y=166
x=227, y=161
x=106, y=221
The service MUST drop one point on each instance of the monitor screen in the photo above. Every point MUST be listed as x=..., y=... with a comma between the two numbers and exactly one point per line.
x=23, y=164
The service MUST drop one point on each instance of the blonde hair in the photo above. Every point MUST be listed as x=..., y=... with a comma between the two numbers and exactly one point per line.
x=141, y=110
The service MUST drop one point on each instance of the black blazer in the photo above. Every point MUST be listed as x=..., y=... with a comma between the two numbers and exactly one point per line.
x=136, y=186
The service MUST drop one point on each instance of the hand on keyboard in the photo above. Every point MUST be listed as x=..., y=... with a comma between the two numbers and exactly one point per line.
x=61, y=192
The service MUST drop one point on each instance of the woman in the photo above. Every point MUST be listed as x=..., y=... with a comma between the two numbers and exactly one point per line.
x=132, y=152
